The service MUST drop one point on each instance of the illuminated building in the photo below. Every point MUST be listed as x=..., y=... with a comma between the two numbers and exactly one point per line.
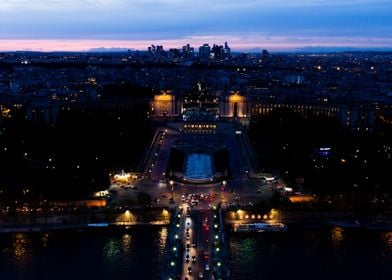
x=164, y=105
x=353, y=115
x=234, y=106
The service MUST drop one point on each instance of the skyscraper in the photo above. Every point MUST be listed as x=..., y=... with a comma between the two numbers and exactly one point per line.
x=205, y=51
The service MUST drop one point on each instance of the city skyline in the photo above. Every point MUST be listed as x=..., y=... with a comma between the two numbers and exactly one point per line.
x=249, y=25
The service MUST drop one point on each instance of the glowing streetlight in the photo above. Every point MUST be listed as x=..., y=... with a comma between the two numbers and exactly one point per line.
x=171, y=182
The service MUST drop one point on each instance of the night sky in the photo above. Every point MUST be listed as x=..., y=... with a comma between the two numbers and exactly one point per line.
x=275, y=25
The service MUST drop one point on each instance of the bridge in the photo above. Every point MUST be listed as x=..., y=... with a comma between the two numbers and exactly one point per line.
x=223, y=170
x=196, y=247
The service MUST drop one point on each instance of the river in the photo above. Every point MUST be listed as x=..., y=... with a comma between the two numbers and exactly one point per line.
x=136, y=253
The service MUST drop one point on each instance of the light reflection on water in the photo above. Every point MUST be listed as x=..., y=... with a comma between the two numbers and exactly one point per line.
x=126, y=242
x=308, y=254
x=45, y=239
x=21, y=247
x=327, y=253
x=20, y=250
x=122, y=254
x=111, y=250
x=386, y=237
x=337, y=236
x=162, y=239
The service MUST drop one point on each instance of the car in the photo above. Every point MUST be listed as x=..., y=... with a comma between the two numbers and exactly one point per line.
x=201, y=275
x=189, y=270
x=193, y=244
x=193, y=259
x=207, y=267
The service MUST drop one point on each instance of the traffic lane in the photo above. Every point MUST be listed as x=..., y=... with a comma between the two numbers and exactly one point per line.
x=204, y=242
x=189, y=267
x=198, y=234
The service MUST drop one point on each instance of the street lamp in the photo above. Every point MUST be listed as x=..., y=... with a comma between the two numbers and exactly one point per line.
x=171, y=182
x=223, y=190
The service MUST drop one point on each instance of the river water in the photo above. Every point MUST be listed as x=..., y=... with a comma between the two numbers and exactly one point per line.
x=136, y=253
x=321, y=253
x=132, y=254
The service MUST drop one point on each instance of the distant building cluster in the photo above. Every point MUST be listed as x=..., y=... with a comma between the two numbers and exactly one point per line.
x=216, y=52
x=355, y=88
x=206, y=52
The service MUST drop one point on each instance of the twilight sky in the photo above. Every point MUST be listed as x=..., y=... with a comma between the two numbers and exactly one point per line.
x=276, y=25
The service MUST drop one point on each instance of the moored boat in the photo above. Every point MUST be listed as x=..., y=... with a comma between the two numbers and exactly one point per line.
x=259, y=227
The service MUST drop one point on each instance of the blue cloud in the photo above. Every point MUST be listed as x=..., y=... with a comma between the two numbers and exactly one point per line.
x=171, y=19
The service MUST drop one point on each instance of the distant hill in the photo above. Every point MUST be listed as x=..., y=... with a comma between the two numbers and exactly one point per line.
x=323, y=49
x=102, y=49
x=316, y=49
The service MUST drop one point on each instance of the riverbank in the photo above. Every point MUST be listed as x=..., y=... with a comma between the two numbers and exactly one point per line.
x=373, y=220
x=94, y=220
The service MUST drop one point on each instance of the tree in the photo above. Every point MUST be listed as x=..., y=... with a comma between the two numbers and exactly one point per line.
x=143, y=199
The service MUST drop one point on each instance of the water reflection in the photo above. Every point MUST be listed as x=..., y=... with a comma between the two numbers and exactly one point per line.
x=386, y=254
x=337, y=236
x=21, y=246
x=111, y=250
x=307, y=254
x=312, y=240
x=44, y=239
x=386, y=237
x=126, y=240
x=162, y=239
x=245, y=249
x=134, y=253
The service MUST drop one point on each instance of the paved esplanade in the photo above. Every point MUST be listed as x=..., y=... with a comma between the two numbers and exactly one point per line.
x=196, y=247
x=241, y=187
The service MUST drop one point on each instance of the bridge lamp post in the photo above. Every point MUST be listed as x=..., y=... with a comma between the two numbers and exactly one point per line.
x=171, y=182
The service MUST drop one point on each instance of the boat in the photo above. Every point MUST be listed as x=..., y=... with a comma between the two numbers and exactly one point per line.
x=346, y=224
x=260, y=227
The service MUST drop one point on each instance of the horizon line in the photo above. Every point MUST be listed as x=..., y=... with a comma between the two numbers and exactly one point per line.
x=91, y=45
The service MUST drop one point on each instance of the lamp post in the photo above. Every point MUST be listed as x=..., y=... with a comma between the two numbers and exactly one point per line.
x=171, y=182
x=223, y=190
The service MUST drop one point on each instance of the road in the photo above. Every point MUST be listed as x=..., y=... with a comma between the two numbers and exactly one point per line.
x=196, y=262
